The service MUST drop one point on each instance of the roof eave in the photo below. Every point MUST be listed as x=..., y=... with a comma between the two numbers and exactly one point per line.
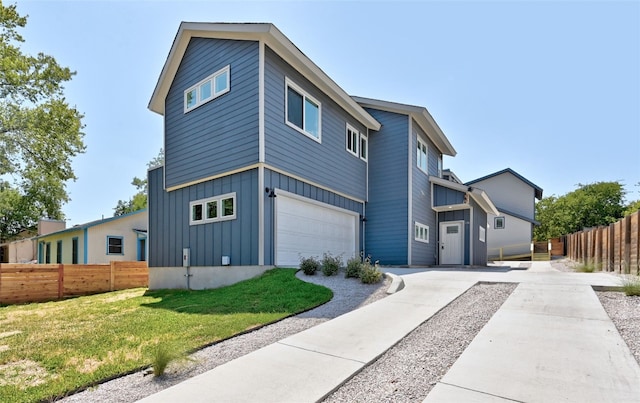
x=276, y=40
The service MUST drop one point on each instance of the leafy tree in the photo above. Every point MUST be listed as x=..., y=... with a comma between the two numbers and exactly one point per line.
x=590, y=205
x=39, y=131
x=139, y=200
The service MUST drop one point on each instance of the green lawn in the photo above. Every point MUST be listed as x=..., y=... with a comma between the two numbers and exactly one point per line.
x=48, y=349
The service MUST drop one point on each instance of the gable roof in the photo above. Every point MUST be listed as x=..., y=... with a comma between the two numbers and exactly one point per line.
x=273, y=38
x=480, y=196
x=420, y=114
x=536, y=188
x=91, y=224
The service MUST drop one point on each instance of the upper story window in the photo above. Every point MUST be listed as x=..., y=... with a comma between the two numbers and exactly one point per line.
x=439, y=165
x=212, y=209
x=421, y=157
x=302, y=111
x=364, y=147
x=217, y=84
x=498, y=223
x=353, y=137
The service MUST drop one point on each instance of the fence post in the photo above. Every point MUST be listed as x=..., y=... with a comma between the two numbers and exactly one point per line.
x=112, y=278
x=60, y=281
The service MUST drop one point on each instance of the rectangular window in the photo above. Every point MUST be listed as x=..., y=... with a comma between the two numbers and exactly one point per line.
x=353, y=137
x=422, y=232
x=498, y=223
x=208, y=89
x=439, y=165
x=217, y=208
x=303, y=112
x=59, y=252
x=421, y=156
x=115, y=245
x=364, y=148
x=482, y=233
x=74, y=251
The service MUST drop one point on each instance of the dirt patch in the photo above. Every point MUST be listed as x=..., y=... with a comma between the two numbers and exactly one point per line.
x=23, y=374
x=124, y=295
x=86, y=366
x=9, y=334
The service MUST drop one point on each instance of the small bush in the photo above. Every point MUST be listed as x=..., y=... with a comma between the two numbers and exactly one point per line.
x=631, y=286
x=309, y=265
x=331, y=264
x=586, y=268
x=354, y=267
x=162, y=356
x=370, y=274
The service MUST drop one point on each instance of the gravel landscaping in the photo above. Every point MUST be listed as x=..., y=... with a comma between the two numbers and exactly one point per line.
x=624, y=311
x=349, y=294
x=410, y=369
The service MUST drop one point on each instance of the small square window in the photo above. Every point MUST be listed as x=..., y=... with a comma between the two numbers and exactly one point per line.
x=114, y=245
x=222, y=82
x=498, y=223
x=422, y=233
x=212, y=209
x=191, y=99
x=206, y=90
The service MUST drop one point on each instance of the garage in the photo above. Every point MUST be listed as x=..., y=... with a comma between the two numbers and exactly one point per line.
x=305, y=227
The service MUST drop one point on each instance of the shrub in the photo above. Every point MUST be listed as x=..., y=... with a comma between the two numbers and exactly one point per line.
x=331, y=264
x=631, y=286
x=162, y=356
x=309, y=265
x=586, y=268
x=370, y=274
x=354, y=267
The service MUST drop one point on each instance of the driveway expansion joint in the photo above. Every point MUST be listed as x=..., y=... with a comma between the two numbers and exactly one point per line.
x=481, y=392
x=321, y=353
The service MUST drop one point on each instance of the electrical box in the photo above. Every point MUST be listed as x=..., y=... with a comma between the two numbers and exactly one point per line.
x=186, y=257
x=226, y=260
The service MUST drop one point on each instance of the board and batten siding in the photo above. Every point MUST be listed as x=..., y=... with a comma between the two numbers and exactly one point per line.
x=479, y=248
x=328, y=163
x=221, y=135
x=277, y=180
x=443, y=196
x=423, y=253
x=387, y=209
x=170, y=232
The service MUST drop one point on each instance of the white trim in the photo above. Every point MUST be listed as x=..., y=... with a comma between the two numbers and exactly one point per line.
x=424, y=148
x=213, y=94
x=305, y=96
x=366, y=148
x=261, y=196
x=286, y=193
x=212, y=177
x=471, y=241
x=410, y=190
x=219, y=209
x=416, y=232
x=462, y=237
x=261, y=152
x=352, y=134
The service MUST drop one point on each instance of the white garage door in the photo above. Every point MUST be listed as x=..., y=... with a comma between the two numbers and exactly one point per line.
x=306, y=228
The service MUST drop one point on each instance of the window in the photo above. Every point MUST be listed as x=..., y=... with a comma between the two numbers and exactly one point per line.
x=59, y=252
x=213, y=209
x=210, y=88
x=115, y=245
x=303, y=112
x=482, y=233
x=353, y=137
x=74, y=251
x=498, y=223
x=47, y=253
x=439, y=165
x=422, y=233
x=364, y=148
x=421, y=157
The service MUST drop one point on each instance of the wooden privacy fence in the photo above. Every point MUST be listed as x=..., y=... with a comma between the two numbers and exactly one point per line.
x=21, y=283
x=613, y=248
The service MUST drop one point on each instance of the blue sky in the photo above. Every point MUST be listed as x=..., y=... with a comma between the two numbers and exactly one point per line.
x=550, y=89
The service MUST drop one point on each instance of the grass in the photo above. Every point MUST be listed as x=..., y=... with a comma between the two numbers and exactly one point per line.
x=49, y=349
x=631, y=286
x=585, y=268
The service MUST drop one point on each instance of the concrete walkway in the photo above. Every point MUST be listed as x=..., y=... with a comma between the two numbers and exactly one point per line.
x=551, y=341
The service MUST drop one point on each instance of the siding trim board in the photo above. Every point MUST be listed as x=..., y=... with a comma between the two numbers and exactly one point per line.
x=410, y=164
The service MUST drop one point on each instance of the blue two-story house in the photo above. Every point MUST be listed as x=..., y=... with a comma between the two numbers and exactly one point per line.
x=268, y=160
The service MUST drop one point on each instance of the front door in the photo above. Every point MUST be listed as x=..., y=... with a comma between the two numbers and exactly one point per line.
x=451, y=242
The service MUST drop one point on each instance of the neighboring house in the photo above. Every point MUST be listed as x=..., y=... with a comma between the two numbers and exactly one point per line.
x=512, y=228
x=23, y=248
x=122, y=238
x=268, y=160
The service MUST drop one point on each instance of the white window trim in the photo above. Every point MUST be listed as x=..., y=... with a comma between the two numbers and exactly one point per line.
x=220, y=217
x=482, y=233
x=357, y=140
x=416, y=230
x=305, y=95
x=366, y=141
x=426, y=155
x=214, y=94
